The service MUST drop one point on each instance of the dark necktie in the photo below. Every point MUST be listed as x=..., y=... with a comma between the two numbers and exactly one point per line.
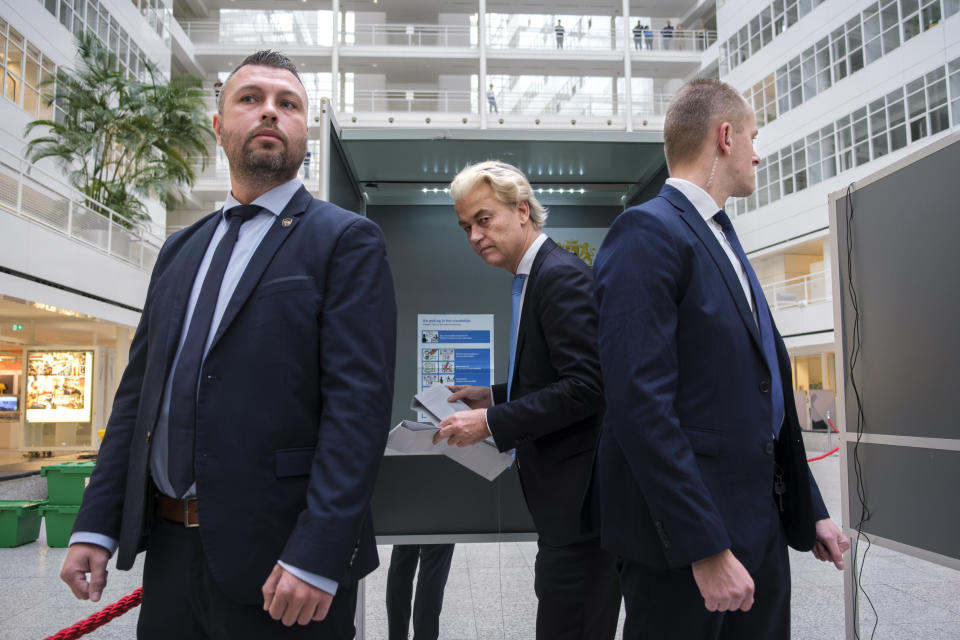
x=764, y=322
x=181, y=427
x=516, y=290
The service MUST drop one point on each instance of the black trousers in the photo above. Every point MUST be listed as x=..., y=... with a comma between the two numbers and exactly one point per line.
x=182, y=601
x=666, y=603
x=434, y=560
x=577, y=591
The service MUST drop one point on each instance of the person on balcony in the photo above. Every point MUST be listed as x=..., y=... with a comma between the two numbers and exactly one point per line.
x=638, y=36
x=492, y=101
x=559, y=32
x=667, y=34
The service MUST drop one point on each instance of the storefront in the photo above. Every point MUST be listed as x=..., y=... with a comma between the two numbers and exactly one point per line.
x=58, y=373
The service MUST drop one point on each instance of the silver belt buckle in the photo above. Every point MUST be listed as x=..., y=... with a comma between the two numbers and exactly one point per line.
x=186, y=514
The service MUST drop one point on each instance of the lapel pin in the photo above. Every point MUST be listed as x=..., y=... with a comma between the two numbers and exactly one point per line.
x=286, y=222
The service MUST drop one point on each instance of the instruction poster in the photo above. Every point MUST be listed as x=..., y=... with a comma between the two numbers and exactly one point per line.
x=454, y=349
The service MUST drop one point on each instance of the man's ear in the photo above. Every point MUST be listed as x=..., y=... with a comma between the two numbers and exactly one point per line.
x=217, y=122
x=725, y=138
x=524, y=208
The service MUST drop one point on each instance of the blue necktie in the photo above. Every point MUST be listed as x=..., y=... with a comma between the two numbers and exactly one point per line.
x=515, y=292
x=186, y=377
x=764, y=322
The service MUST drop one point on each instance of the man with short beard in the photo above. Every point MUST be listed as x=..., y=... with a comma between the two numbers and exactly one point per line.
x=248, y=427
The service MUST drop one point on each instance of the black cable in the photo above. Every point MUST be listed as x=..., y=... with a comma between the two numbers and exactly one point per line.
x=856, y=344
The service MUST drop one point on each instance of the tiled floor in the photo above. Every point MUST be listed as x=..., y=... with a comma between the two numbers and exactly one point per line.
x=490, y=592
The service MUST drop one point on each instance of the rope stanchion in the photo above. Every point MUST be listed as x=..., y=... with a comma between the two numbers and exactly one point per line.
x=832, y=451
x=100, y=618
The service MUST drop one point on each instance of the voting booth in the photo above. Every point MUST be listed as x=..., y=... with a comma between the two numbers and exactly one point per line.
x=398, y=178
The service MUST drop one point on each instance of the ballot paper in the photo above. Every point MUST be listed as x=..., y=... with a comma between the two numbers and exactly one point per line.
x=482, y=458
x=432, y=401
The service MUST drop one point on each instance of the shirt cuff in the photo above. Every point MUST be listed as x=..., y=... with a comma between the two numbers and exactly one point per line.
x=88, y=537
x=324, y=584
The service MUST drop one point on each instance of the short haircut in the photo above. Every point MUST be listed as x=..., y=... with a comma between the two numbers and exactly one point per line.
x=263, y=58
x=509, y=186
x=698, y=107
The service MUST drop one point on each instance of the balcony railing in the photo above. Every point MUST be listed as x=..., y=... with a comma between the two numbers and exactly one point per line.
x=376, y=100
x=43, y=197
x=798, y=292
x=257, y=33
x=680, y=40
x=544, y=37
x=411, y=35
x=651, y=106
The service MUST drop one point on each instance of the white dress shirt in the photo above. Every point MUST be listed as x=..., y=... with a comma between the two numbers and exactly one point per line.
x=705, y=205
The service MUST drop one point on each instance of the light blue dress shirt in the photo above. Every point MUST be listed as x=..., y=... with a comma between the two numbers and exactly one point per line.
x=251, y=234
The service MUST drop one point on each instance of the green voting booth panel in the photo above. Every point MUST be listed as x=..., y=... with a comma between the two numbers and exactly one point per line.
x=431, y=495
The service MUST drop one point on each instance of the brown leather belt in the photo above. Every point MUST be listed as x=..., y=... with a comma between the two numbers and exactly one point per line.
x=183, y=511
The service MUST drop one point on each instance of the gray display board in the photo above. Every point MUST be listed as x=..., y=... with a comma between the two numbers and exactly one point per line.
x=906, y=290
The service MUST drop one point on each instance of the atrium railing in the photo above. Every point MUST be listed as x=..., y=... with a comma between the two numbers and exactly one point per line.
x=373, y=100
x=299, y=34
x=544, y=37
x=411, y=35
x=43, y=197
x=798, y=292
x=678, y=40
x=560, y=104
x=651, y=106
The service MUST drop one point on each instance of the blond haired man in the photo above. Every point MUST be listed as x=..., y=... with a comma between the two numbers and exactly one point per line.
x=549, y=409
x=704, y=479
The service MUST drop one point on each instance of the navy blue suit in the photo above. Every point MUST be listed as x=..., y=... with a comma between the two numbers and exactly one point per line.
x=293, y=406
x=687, y=456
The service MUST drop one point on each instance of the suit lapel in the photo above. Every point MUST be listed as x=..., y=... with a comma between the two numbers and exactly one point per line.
x=188, y=265
x=275, y=237
x=699, y=226
x=527, y=310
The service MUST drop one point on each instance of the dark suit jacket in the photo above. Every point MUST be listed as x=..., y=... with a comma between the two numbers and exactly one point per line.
x=687, y=456
x=554, y=411
x=293, y=406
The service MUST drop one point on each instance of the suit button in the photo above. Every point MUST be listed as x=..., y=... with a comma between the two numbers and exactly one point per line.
x=148, y=436
x=211, y=377
x=764, y=386
x=768, y=448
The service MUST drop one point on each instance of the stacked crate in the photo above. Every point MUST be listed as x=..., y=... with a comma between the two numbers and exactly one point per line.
x=65, y=484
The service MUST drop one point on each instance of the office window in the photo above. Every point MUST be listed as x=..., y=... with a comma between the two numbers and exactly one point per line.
x=939, y=116
x=861, y=137
x=878, y=128
x=779, y=17
x=872, y=46
x=930, y=13
x=896, y=119
x=755, y=40
x=808, y=68
x=766, y=27
x=844, y=143
x=950, y=7
x=910, y=10
x=890, y=21
x=838, y=52
x=954, y=68
x=855, y=45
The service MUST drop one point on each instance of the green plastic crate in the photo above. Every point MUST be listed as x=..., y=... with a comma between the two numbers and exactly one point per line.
x=66, y=481
x=19, y=521
x=59, y=523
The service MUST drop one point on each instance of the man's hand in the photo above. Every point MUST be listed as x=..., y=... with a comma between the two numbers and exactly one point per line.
x=831, y=543
x=473, y=397
x=83, y=558
x=463, y=428
x=291, y=600
x=724, y=583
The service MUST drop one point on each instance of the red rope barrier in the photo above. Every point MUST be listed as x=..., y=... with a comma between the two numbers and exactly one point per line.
x=832, y=451
x=100, y=618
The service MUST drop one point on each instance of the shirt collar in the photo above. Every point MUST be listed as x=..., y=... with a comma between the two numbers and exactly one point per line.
x=526, y=262
x=701, y=200
x=274, y=201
